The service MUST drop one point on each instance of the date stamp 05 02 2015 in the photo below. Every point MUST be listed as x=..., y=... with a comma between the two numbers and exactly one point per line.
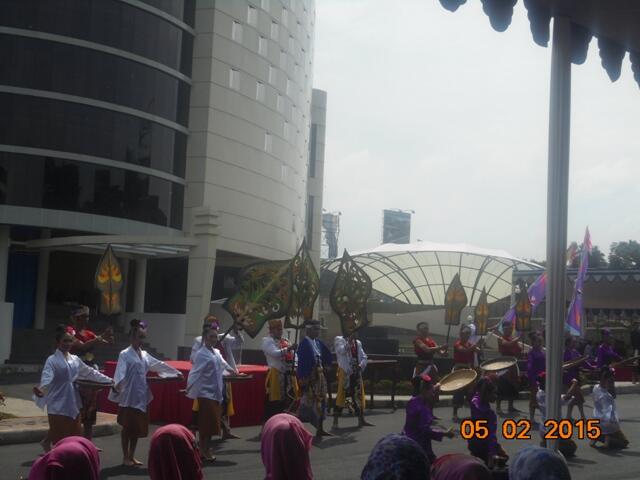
x=520, y=429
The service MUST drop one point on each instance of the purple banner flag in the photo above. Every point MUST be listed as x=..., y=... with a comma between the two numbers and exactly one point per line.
x=575, y=316
x=537, y=291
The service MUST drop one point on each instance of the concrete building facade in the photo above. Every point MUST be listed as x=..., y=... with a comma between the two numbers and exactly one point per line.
x=177, y=131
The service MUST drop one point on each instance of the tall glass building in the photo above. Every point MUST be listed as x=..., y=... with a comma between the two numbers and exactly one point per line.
x=176, y=131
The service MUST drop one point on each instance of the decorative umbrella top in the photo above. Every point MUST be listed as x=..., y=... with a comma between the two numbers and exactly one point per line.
x=264, y=292
x=109, y=281
x=306, y=286
x=613, y=22
x=349, y=295
x=482, y=314
x=455, y=301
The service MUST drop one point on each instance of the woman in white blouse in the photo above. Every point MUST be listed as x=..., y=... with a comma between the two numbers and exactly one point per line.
x=604, y=410
x=57, y=390
x=205, y=383
x=131, y=392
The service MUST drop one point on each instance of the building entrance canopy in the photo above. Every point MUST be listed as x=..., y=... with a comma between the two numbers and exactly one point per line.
x=420, y=273
x=132, y=246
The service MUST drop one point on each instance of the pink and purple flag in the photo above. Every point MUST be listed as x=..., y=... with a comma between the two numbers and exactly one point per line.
x=576, y=310
x=537, y=291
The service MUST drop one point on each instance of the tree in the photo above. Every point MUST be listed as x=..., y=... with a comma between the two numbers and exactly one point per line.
x=596, y=258
x=625, y=255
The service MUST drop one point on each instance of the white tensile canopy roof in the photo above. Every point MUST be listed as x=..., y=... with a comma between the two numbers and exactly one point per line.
x=420, y=273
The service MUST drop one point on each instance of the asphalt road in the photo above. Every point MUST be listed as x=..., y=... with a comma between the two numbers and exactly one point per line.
x=343, y=456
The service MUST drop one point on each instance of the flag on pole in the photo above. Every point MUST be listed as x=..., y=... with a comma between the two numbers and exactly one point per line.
x=576, y=311
x=536, y=291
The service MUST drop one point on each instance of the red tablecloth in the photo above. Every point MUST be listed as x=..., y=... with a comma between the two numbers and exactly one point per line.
x=171, y=406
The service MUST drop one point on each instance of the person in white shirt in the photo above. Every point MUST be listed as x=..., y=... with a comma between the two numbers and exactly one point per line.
x=604, y=410
x=131, y=391
x=226, y=346
x=281, y=383
x=206, y=384
x=57, y=390
x=351, y=363
x=566, y=446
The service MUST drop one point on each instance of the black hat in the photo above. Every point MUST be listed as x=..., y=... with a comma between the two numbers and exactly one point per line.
x=312, y=322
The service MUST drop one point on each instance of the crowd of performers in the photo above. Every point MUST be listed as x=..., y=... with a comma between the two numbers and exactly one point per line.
x=498, y=386
x=296, y=383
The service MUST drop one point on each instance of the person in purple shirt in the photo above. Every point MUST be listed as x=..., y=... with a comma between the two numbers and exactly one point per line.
x=486, y=449
x=535, y=366
x=573, y=374
x=419, y=420
x=606, y=354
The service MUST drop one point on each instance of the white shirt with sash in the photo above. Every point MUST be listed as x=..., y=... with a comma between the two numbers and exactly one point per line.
x=230, y=343
x=61, y=395
x=131, y=378
x=206, y=377
x=345, y=357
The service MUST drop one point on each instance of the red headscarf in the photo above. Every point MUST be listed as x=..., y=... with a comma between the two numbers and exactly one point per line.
x=173, y=454
x=458, y=466
x=285, y=449
x=71, y=458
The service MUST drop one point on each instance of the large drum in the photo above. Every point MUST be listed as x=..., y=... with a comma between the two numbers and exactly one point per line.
x=458, y=380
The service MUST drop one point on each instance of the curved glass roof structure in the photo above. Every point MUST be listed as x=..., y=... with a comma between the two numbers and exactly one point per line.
x=420, y=273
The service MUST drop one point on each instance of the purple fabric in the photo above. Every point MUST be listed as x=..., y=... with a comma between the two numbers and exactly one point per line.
x=396, y=457
x=458, y=466
x=606, y=355
x=573, y=372
x=70, y=458
x=537, y=291
x=576, y=310
x=418, y=425
x=535, y=364
x=482, y=411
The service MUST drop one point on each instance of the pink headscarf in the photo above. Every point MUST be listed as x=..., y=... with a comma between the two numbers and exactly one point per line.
x=285, y=449
x=173, y=454
x=458, y=466
x=70, y=459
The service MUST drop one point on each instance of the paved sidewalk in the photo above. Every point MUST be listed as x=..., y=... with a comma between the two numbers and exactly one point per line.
x=33, y=429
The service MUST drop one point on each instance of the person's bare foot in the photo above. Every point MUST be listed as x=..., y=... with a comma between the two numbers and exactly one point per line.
x=364, y=423
x=228, y=436
x=323, y=433
x=208, y=458
x=127, y=462
x=136, y=462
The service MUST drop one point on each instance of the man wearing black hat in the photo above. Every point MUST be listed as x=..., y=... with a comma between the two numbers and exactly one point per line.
x=313, y=358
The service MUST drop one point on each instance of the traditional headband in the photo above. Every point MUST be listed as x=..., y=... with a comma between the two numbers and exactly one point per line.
x=80, y=311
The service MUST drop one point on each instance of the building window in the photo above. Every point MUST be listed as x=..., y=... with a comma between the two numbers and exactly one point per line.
x=310, y=204
x=285, y=16
x=286, y=130
x=236, y=32
x=312, y=150
x=260, y=91
x=272, y=75
x=234, y=79
x=288, y=90
x=283, y=172
x=279, y=103
x=265, y=5
x=262, y=46
x=291, y=43
x=252, y=16
x=283, y=59
x=268, y=142
x=274, y=31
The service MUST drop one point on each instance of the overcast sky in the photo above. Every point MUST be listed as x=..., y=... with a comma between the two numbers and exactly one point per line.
x=436, y=112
